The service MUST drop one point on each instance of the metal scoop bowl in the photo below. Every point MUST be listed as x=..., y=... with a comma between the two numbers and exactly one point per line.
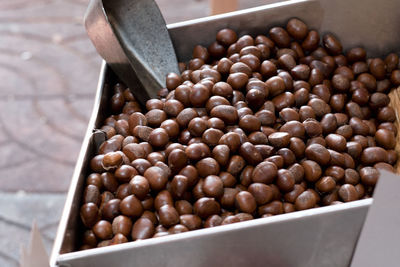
x=131, y=36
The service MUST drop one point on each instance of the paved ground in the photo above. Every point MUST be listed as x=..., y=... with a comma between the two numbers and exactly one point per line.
x=48, y=73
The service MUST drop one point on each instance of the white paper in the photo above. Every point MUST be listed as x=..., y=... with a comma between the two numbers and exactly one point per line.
x=35, y=255
x=378, y=244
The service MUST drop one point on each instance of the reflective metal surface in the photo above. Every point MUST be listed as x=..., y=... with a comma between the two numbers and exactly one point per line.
x=367, y=23
x=317, y=237
x=133, y=39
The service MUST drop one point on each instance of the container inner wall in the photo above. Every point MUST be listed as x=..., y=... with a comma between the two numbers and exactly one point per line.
x=367, y=23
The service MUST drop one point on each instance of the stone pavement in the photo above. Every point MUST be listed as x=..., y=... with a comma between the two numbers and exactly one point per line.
x=17, y=212
x=48, y=73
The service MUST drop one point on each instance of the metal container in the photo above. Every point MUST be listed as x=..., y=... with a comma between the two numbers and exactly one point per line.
x=318, y=237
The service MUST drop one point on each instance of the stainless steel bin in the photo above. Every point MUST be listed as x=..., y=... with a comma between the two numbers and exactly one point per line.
x=318, y=237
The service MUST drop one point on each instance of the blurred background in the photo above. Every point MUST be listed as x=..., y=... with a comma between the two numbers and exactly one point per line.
x=48, y=73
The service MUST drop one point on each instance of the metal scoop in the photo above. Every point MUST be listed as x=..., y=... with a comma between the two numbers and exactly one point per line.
x=133, y=39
